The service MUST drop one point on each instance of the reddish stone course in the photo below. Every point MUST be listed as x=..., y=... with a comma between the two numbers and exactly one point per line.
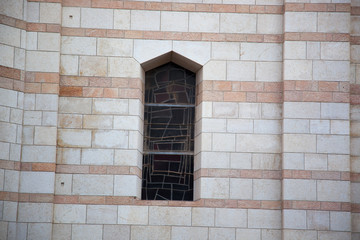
x=318, y=37
x=317, y=7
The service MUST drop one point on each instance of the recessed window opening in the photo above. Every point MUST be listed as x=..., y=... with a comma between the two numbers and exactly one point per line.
x=169, y=113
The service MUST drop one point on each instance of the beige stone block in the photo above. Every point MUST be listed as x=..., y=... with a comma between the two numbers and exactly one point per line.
x=237, y=23
x=63, y=184
x=128, y=123
x=202, y=216
x=333, y=191
x=45, y=135
x=240, y=126
x=222, y=233
x=269, y=24
x=355, y=190
x=71, y=17
x=61, y=232
x=174, y=21
x=136, y=140
x=316, y=162
x=269, y=234
x=92, y=184
x=38, y=153
x=7, y=56
x=355, y=222
x=338, y=163
x=298, y=70
x=10, y=211
x=74, y=138
x=313, y=50
x=127, y=185
x=355, y=151
x=258, y=143
x=254, y=234
x=294, y=219
x=39, y=230
x=35, y=212
x=270, y=110
x=15, y=152
x=340, y=127
x=8, y=98
x=294, y=50
x=296, y=126
x=145, y=50
x=11, y=181
x=97, y=157
x=333, y=22
x=128, y=158
x=268, y=71
x=332, y=235
x=10, y=35
x=223, y=142
x=3, y=229
x=335, y=50
x=7, y=132
x=97, y=121
x=28, y=135
x=42, y=61
x=96, y=18
x=69, y=65
x=47, y=102
x=266, y=161
x=135, y=215
x=259, y=218
x=354, y=25
x=33, y=12
x=4, y=114
x=29, y=101
x=266, y=189
x=261, y=51
x=110, y=139
x=296, y=189
x=225, y=217
x=267, y=126
x=215, y=159
x=355, y=128
x=184, y=233
x=4, y=151
x=241, y=189
x=176, y=216
x=145, y=20
x=213, y=125
x=19, y=58
x=331, y=70
x=299, y=143
x=225, y=50
x=308, y=22
x=37, y=182
x=49, y=118
x=340, y=221
x=124, y=67
x=114, y=232
x=301, y=110
x=16, y=116
x=300, y=234
x=198, y=52
x=93, y=66
x=69, y=213
x=90, y=232
x=114, y=47
x=121, y=19
x=31, y=41
x=240, y=71
x=12, y=8
x=214, y=188
x=214, y=70
x=317, y=220
x=354, y=54
x=151, y=232
x=50, y=13
x=203, y=142
x=225, y=110
x=136, y=108
x=333, y=144
x=76, y=105
x=49, y=41
x=78, y=45
x=204, y=22
x=320, y=126
x=101, y=214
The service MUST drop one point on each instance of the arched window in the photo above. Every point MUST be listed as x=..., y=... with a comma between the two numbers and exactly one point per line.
x=169, y=113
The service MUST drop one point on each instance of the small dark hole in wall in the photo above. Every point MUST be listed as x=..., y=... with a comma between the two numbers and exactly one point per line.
x=62, y=183
x=70, y=16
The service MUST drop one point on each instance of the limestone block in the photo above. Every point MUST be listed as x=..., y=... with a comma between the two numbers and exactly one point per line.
x=259, y=218
x=294, y=50
x=266, y=161
x=96, y=18
x=333, y=144
x=10, y=35
x=270, y=110
x=313, y=50
x=203, y=22
x=332, y=235
x=11, y=181
x=299, y=143
x=136, y=140
x=225, y=110
x=63, y=184
x=33, y=12
x=135, y=215
x=90, y=232
x=61, y=232
x=68, y=156
x=333, y=22
x=354, y=54
x=215, y=159
x=98, y=121
x=19, y=61
x=145, y=20
x=35, y=212
x=213, y=125
x=198, y=52
x=193, y=233
x=241, y=188
x=75, y=105
x=333, y=191
x=128, y=123
x=29, y=101
x=223, y=142
x=4, y=114
x=271, y=234
x=308, y=22
x=300, y=234
x=32, y=153
x=254, y=234
x=266, y=189
x=69, y=213
x=151, y=232
x=37, y=182
x=258, y=143
x=78, y=45
x=331, y=70
x=28, y=135
x=316, y=162
x=340, y=221
x=49, y=118
x=214, y=188
x=202, y=216
x=174, y=21
x=301, y=110
x=335, y=50
x=49, y=41
x=124, y=67
x=69, y=65
x=46, y=102
x=16, y=116
x=268, y=71
x=70, y=121
x=240, y=126
x=12, y=8
x=70, y=17
x=45, y=135
x=145, y=50
x=4, y=151
x=93, y=66
x=240, y=71
x=214, y=70
x=114, y=232
x=136, y=108
x=225, y=50
x=293, y=161
x=10, y=211
x=8, y=98
x=296, y=126
x=97, y=156
x=340, y=127
x=42, y=61
x=317, y=220
x=222, y=233
x=354, y=25
x=355, y=151
x=110, y=139
x=74, y=138
x=114, y=47
x=7, y=132
x=261, y=51
x=237, y=23
x=296, y=189
x=7, y=56
x=203, y=142
x=269, y=24
x=15, y=152
x=128, y=158
x=320, y=126
x=127, y=185
x=298, y=70
x=176, y=216
x=50, y=13
x=31, y=41
x=121, y=19
x=101, y=214
x=39, y=230
x=267, y=126
x=294, y=219
x=84, y=184
x=225, y=217
x=338, y=163
x=3, y=226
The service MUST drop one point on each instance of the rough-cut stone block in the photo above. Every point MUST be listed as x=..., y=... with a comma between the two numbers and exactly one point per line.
x=92, y=184
x=75, y=105
x=333, y=22
x=237, y=23
x=37, y=61
x=97, y=156
x=101, y=214
x=241, y=188
x=261, y=51
x=308, y=21
x=93, y=66
x=114, y=47
x=151, y=232
x=78, y=45
x=298, y=189
x=124, y=67
x=70, y=17
x=110, y=139
x=225, y=217
x=97, y=18
x=214, y=188
x=259, y=218
x=170, y=216
x=121, y=19
x=294, y=219
x=74, y=138
x=135, y=215
x=90, y=232
x=333, y=144
x=37, y=182
x=240, y=71
x=203, y=217
x=35, y=212
x=50, y=13
x=127, y=185
x=204, y=22
x=266, y=189
x=333, y=191
x=145, y=20
x=258, y=143
x=68, y=213
x=331, y=70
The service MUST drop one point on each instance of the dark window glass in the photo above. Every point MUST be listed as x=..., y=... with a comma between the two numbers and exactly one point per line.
x=169, y=134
